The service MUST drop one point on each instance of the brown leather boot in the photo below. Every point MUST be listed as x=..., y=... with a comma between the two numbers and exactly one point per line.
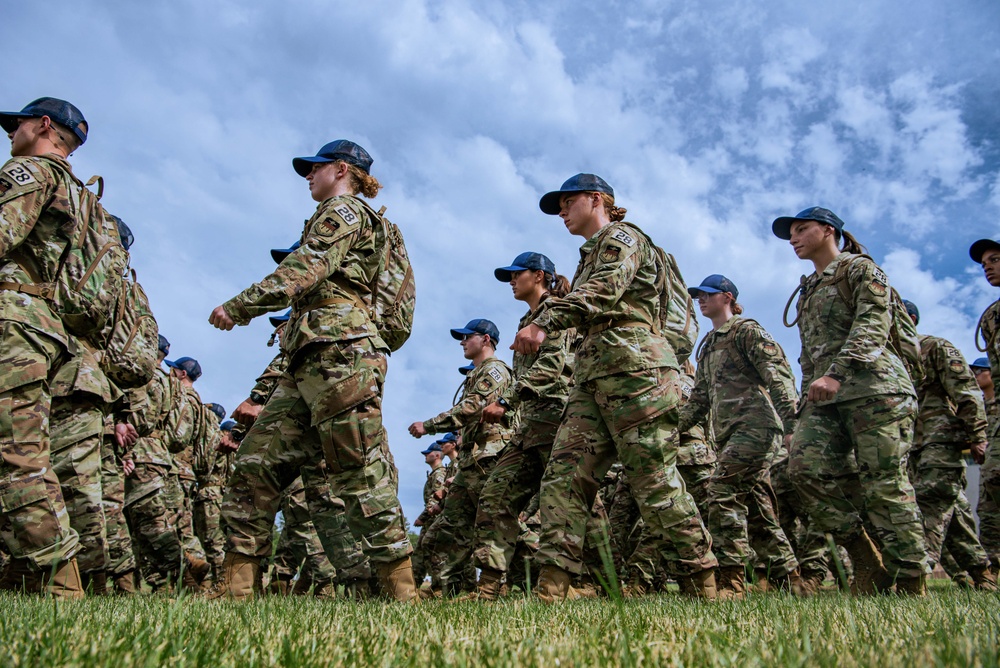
x=731, y=583
x=761, y=583
x=279, y=586
x=396, y=580
x=553, y=584
x=983, y=578
x=199, y=568
x=124, y=583
x=488, y=588
x=19, y=576
x=870, y=576
x=65, y=582
x=810, y=583
x=238, y=580
x=699, y=585
x=189, y=583
x=912, y=586
x=635, y=588
x=358, y=589
x=95, y=583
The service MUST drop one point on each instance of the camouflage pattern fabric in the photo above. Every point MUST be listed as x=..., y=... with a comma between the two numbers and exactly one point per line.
x=299, y=547
x=152, y=523
x=456, y=526
x=329, y=516
x=808, y=543
x=988, y=508
x=420, y=558
x=869, y=422
x=121, y=559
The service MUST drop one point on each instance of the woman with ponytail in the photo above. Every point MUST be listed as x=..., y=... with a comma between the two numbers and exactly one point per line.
x=848, y=455
x=538, y=395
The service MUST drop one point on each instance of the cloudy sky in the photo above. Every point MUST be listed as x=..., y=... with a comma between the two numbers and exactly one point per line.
x=709, y=119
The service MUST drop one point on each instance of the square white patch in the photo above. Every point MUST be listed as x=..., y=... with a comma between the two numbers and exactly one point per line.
x=20, y=175
x=495, y=375
x=623, y=236
x=345, y=212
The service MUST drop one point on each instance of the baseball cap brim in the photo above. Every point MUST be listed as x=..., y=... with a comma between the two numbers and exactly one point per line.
x=279, y=254
x=457, y=334
x=977, y=249
x=8, y=119
x=782, y=227
x=703, y=288
x=303, y=166
x=171, y=364
x=430, y=450
x=550, y=201
x=503, y=274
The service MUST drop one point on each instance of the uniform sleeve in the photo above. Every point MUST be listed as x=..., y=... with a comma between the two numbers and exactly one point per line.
x=769, y=360
x=25, y=188
x=698, y=404
x=268, y=380
x=543, y=375
x=208, y=437
x=963, y=391
x=436, y=484
x=480, y=392
x=328, y=238
x=872, y=319
x=616, y=264
x=146, y=405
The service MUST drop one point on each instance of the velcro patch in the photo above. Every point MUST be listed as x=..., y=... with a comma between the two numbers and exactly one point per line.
x=20, y=175
x=484, y=385
x=610, y=254
x=877, y=288
x=952, y=352
x=766, y=335
x=345, y=212
x=956, y=366
x=770, y=349
x=5, y=185
x=330, y=225
x=495, y=375
x=624, y=237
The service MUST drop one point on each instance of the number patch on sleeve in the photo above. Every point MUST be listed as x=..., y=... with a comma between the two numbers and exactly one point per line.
x=624, y=237
x=345, y=212
x=20, y=175
x=495, y=375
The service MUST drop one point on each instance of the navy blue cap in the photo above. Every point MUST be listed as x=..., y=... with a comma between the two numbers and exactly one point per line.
x=162, y=344
x=227, y=425
x=277, y=320
x=912, y=310
x=60, y=111
x=782, y=227
x=340, y=149
x=464, y=370
x=527, y=261
x=715, y=283
x=450, y=437
x=980, y=363
x=124, y=233
x=279, y=254
x=575, y=184
x=433, y=447
x=219, y=411
x=977, y=249
x=478, y=326
x=187, y=364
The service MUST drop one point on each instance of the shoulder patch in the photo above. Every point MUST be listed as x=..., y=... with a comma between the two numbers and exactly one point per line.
x=770, y=349
x=346, y=214
x=610, y=254
x=5, y=185
x=952, y=352
x=484, y=385
x=956, y=366
x=624, y=237
x=496, y=375
x=20, y=174
x=879, y=284
x=766, y=335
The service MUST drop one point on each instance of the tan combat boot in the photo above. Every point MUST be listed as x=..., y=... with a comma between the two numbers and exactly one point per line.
x=870, y=576
x=19, y=576
x=95, y=582
x=279, y=586
x=912, y=586
x=238, y=580
x=396, y=580
x=699, y=585
x=762, y=584
x=731, y=583
x=584, y=588
x=65, y=582
x=635, y=588
x=810, y=583
x=488, y=588
x=983, y=578
x=199, y=568
x=357, y=589
x=124, y=583
x=553, y=584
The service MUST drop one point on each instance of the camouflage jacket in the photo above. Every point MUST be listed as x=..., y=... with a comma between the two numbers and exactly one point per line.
x=484, y=385
x=156, y=416
x=268, y=380
x=541, y=385
x=327, y=280
x=850, y=345
x=82, y=373
x=990, y=323
x=210, y=466
x=696, y=447
x=189, y=433
x=435, y=482
x=951, y=403
x=614, y=303
x=34, y=208
x=992, y=414
x=743, y=379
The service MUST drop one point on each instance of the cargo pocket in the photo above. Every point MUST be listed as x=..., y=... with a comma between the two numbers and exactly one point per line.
x=656, y=401
x=344, y=432
x=32, y=516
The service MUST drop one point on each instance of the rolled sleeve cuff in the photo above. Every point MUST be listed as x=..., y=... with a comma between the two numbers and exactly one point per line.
x=237, y=311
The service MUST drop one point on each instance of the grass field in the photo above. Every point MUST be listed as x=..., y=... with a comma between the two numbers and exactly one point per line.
x=949, y=628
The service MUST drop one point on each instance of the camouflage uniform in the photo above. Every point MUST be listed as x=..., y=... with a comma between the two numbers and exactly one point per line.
x=539, y=393
x=849, y=453
x=329, y=396
x=481, y=445
x=809, y=544
x=434, y=484
x=34, y=206
x=299, y=547
x=121, y=559
x=745, y=384
x=623, y=405
x=989, y=473
x=950, y=418
x=429, y=542
x=210, y=469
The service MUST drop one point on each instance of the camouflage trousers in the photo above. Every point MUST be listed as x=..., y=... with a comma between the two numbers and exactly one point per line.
x=181, y=492
x=807, y=542
x=328, y=405
x=988, y=508
x=631, y=417
x=77, y=428
x=849, y=459
x=741, y=504
x=121, y=560
x=207, y=512
x=152, y=523
x=962, y=525
x=639, y=554
x=456, y=526
x=34, y=523
x=938, y=476
x=299, y=547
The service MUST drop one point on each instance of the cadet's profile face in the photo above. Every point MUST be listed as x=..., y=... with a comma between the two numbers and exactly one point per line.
x=712, y=304
x=991, y=266
x=472, y=345
x=23, y=136
x=448, y=449
x=523, y=283
x=983, y=378
x=323, y=180
x=808, y=237
x=577, y=211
